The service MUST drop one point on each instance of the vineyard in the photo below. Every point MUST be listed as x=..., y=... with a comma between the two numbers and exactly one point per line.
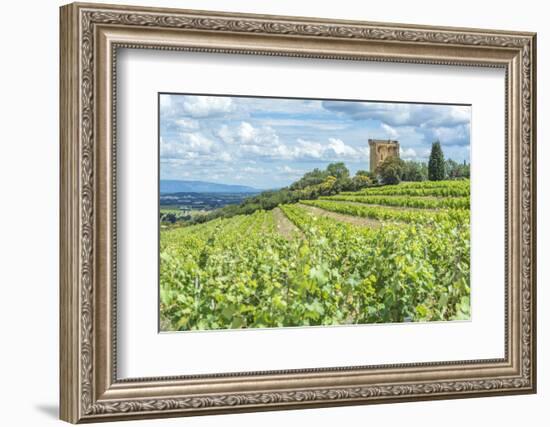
x=315, y=262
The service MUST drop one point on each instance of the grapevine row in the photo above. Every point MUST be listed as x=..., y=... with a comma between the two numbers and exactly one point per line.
x=460, y=188
x=389, y=214
x=411, y=202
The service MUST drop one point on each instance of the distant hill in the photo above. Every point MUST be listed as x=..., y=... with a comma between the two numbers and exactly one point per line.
x=174, y=186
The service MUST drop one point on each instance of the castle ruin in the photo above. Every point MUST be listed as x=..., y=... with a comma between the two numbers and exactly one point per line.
x=380, y=150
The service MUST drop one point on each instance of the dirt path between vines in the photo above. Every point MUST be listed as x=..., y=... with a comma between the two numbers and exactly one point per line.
x=285, y=227
x=350, y=219
x=397, y=208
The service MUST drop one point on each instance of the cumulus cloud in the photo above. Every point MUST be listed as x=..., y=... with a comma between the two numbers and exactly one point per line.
x=195, y=106
x=308, y=149
x=197, y=142
x=264, y=142
x=407, y=153
x=226, y=134
x=245, y=134
x=186, y=146
x=186, y=123
x=448, y=123
x=224, y=156
x=457, y=135
x=391, y=132
x=334, y=149
x=250, y=142
x=340, y=149
x=206, y=106
x=394, y=114
x=264, y=135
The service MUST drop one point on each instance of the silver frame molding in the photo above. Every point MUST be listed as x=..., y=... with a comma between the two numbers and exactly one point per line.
x=90, y=37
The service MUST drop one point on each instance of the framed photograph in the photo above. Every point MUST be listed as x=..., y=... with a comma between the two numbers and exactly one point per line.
x=266, y=212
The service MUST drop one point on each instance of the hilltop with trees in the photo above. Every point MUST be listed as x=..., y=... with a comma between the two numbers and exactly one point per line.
x=336, y=178
x=394, y=170
x=333, y=179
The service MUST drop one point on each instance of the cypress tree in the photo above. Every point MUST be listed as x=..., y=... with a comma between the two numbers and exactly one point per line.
x=436, y=164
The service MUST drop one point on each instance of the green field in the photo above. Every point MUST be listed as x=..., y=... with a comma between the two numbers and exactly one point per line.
x=383, y=254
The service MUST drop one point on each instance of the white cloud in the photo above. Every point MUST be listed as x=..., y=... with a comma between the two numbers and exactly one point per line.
x=397, y=114
x=225, y=156
x=206, y=106
x=456, y=135
x=335, y=149
x=341, y=149
x=264, y=135
x=188, y=124
x=278, y=105
x=390, y=131
x=246, y=132
x=332, y=125
x=187, y=146
x=226, y=134
x=248, y=136
x=197, y=142
x=407, y=153
x=450, y=124
x=451, y=116
x=247, y=141
x=308, y=149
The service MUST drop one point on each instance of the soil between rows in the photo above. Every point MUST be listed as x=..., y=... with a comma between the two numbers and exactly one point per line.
x=285, y=227
x=355, y=220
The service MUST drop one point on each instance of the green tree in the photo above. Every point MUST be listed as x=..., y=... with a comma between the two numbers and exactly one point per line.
x=370, y=175
x=360, y=181
x=338, y=170
x=451, y=168
x=465, y=170
x=314, y=177
x=436, y=164
x=391, y=170
x=327, y=186
x=415, y=171
x=456, y=170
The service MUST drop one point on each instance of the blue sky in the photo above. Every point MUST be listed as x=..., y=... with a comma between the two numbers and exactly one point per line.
x=270, y=142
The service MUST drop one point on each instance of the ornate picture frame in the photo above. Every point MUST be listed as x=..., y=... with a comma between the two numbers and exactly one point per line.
x=90, y=37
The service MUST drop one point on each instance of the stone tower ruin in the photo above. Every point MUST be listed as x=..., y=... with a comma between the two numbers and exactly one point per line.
x=380, y=150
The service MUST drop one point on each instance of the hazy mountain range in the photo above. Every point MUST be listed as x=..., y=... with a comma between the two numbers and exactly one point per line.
x=176, y=186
